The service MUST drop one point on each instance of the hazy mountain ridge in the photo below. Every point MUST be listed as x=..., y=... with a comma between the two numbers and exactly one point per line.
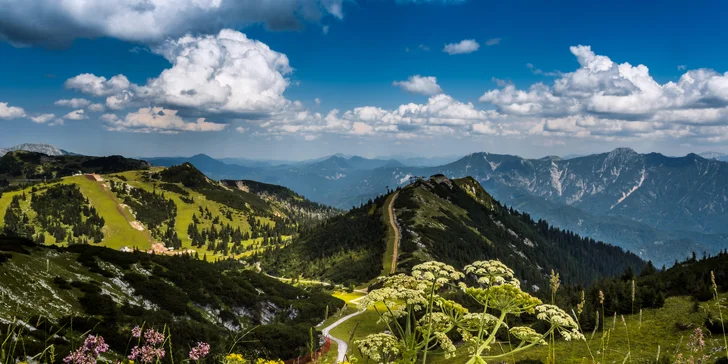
x=46, y=149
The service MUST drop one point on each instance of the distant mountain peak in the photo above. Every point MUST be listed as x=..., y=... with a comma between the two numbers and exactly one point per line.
x=623, y=151
x=712, y=155
x=46, y=149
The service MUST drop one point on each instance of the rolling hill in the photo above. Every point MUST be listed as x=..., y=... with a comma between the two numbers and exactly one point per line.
x=166, y=210
x=453, y=221
x=21, y=166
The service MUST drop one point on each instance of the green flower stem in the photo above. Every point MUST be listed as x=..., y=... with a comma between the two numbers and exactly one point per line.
x=491, y=337
x=482, y=324
x=722, y=324
x=519, y=348
x=429, y=329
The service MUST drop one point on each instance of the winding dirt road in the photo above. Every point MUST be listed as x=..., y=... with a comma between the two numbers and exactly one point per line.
x=341, y=345
x=395, y=227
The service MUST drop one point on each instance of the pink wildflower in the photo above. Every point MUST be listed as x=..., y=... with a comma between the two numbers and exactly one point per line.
x=200, y=351
x=153, y=337
x=136, y=332
x=89, y=352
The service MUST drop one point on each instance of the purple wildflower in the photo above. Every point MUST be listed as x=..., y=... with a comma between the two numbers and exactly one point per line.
x=136, y=332
x=89, y=352
x=200, y=351
x=153, y=337
x=150, y=352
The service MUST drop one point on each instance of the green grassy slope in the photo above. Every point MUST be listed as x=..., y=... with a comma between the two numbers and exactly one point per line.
x=264, y=217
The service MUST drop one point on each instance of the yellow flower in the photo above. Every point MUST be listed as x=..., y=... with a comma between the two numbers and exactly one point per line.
x=234, y=358
x=266, y=361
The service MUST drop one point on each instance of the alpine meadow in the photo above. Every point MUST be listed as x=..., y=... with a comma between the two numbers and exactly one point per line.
x=363, y=181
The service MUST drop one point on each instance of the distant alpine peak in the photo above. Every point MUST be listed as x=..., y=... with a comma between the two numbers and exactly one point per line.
x=623, y=151
x=46, y=149
x=712, y=155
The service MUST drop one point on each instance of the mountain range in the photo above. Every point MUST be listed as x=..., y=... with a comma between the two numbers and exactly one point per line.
x=661, y=207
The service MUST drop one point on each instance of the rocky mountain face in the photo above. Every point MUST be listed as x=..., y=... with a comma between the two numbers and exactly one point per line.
x=46, y=149
x=675, y=194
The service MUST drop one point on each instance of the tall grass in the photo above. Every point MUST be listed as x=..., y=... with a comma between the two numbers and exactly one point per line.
x=720, y=310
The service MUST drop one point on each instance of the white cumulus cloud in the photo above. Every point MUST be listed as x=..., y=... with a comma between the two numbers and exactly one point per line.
x=224, y=73
x=42, y=118
x=98, y=86
x=10, y=112
x=76, y=115
x=606, y=100
x=158, y=120
x=59, y=22
x=96, y=107
x=73, y=103
x=463, y=47
x=420, y=85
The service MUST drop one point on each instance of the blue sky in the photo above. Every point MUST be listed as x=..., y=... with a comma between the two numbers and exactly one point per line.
x=347, y=55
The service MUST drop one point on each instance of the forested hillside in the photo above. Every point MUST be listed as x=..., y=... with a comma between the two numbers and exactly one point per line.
x=345, y=249
x=453, y=221
x=19, y=166
x=63, y=292
x=162, y=210
x=457, y=222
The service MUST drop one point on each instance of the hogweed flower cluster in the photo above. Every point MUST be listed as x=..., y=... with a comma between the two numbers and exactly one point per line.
x=436, y=272
x=492, y=273
x=379, y=347
x=89, y=352
x=527, y=334
x=418, y=318
x=560, y=321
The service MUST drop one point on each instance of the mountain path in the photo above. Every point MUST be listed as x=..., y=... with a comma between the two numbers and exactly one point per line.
x=341, y=345
x=395, y=227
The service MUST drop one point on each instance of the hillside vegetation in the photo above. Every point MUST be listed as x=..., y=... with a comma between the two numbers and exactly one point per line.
x=60, y=293
x=165, y=210
x=457, y=221
x=19, y=166
x=453, y=221
x=344, y=249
